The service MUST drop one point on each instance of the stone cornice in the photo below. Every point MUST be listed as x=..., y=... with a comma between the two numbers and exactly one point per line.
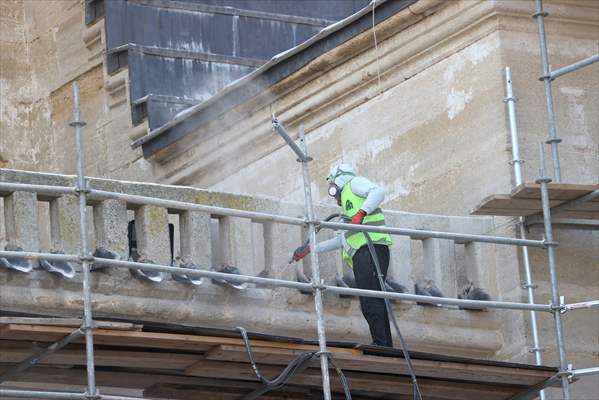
x=453, y=332
x=346, y=77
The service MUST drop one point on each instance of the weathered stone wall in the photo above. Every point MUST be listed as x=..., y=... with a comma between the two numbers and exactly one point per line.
x=44, y=46
x=20, y=114
x=437, y=137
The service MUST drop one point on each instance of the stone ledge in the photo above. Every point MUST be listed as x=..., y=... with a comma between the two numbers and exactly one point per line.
x=449, y=331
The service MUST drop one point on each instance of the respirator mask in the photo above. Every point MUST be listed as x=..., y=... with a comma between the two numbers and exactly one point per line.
x=335, y=192
x=341, y=169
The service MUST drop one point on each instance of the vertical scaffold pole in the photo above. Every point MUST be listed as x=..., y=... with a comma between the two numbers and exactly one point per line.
x=510, y=100
x=555, y=299
x=82, y=191
x=553, y=140
x=322, y=342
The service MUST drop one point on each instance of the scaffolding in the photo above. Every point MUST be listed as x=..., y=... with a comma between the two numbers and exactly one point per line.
x=548, y=76
x=565, y=373
x=510, y=100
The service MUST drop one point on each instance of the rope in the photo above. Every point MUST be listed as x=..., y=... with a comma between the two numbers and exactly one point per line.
x=376, y=50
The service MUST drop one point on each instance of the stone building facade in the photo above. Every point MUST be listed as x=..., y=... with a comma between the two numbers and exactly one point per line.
x=421, y=113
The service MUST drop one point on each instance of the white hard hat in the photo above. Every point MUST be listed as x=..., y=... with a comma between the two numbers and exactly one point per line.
x=339, y=170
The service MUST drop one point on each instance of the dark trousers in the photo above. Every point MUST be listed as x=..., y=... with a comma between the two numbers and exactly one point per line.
x=374, y=310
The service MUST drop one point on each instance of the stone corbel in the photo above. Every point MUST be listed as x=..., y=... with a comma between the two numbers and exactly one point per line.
x=93, y=37
x=116, y=88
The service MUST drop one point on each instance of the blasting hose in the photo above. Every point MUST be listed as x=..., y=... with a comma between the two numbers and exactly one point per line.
x=318, y=228
x=404, y=347
x=298, y=364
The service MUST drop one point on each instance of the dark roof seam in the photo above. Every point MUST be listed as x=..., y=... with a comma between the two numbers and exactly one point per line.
x=207, y=8
x=165, y=98
x=194, y=55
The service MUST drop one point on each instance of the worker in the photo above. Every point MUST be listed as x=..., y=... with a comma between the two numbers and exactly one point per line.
x=359, y=200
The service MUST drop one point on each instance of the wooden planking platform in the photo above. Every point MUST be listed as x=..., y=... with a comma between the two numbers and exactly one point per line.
x=72, y=322
x=189, y=366
x=525, y=200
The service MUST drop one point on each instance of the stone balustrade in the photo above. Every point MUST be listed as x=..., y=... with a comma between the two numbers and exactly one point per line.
x=39, y=222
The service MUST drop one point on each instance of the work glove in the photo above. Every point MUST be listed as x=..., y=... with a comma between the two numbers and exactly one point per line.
x=301, y=252
x=357, y=219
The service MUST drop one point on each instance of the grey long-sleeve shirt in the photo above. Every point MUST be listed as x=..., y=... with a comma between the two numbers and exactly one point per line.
x=374, y=197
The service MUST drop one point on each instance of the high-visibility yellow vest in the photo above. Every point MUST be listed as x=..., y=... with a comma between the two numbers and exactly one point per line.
x=353, y=240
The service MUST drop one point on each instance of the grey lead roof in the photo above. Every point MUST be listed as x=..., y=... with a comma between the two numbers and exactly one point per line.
x=279, y=67
x=184, y=55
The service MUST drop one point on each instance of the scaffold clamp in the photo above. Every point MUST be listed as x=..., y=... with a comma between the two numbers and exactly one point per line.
x=86, y=258
x=82, y=190
x=561, y=307
x=536, y=349
x=529, y=286
x=318, y=286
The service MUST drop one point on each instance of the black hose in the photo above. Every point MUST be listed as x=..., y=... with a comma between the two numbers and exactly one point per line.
x=318, y=228
x=404, y=347
x=343, y=379
x=296, y=365
x=330, y=217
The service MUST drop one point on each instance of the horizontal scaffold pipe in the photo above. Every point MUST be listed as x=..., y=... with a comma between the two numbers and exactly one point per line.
x=33, y=394
x=181, y=205
x=95, y=194
x=579, y=373
x=423, y=234
x=41, y=189
x=283, y=283
x=573, y=67
x=265, y=217
x=582, y=305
